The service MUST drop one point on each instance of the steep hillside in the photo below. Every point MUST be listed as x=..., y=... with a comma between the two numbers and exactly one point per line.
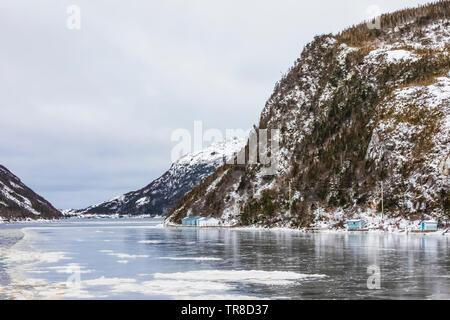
x=17, y=201
x=160, y=195
x=361, y=114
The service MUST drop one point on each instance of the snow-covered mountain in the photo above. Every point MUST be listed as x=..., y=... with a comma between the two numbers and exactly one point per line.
x=363, y=115
x=160, y=195
x=17, y=201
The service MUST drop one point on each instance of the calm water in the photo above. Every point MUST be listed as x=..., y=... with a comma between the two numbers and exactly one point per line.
x=138, y=259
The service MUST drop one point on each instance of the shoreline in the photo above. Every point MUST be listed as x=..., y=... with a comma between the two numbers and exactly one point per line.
x=74, y=217
x=440, y=232
x=314, y=229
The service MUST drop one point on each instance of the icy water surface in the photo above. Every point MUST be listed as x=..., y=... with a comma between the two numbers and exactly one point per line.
x=138, y=259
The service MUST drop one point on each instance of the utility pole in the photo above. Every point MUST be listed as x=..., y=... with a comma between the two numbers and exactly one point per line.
x=382, y=203
x=290, y=196
x=383, y=150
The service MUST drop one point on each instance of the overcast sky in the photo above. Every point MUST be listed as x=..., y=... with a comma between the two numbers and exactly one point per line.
x=88, y=114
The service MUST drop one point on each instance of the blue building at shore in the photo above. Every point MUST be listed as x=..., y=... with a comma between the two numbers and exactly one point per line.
x=356, y=224
x=429, y=225
x=190, y=221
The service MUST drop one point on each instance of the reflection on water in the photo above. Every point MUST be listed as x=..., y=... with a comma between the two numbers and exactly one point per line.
x=138, y=259
x=8, y=237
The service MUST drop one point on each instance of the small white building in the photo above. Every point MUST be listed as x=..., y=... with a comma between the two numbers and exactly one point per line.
x=208, y=222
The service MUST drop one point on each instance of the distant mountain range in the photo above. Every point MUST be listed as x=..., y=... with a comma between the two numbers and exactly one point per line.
x=17, y=201
x=160, y=195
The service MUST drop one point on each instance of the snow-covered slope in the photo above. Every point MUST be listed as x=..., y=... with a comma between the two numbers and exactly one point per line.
x=160, y=195
x=357, y=111
x=17, y=201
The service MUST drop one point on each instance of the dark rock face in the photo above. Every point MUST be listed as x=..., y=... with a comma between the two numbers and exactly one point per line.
x=18, y=202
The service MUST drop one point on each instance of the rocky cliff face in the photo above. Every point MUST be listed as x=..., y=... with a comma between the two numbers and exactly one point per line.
x=159, y=196
x=362, y=115
x=18, y=202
